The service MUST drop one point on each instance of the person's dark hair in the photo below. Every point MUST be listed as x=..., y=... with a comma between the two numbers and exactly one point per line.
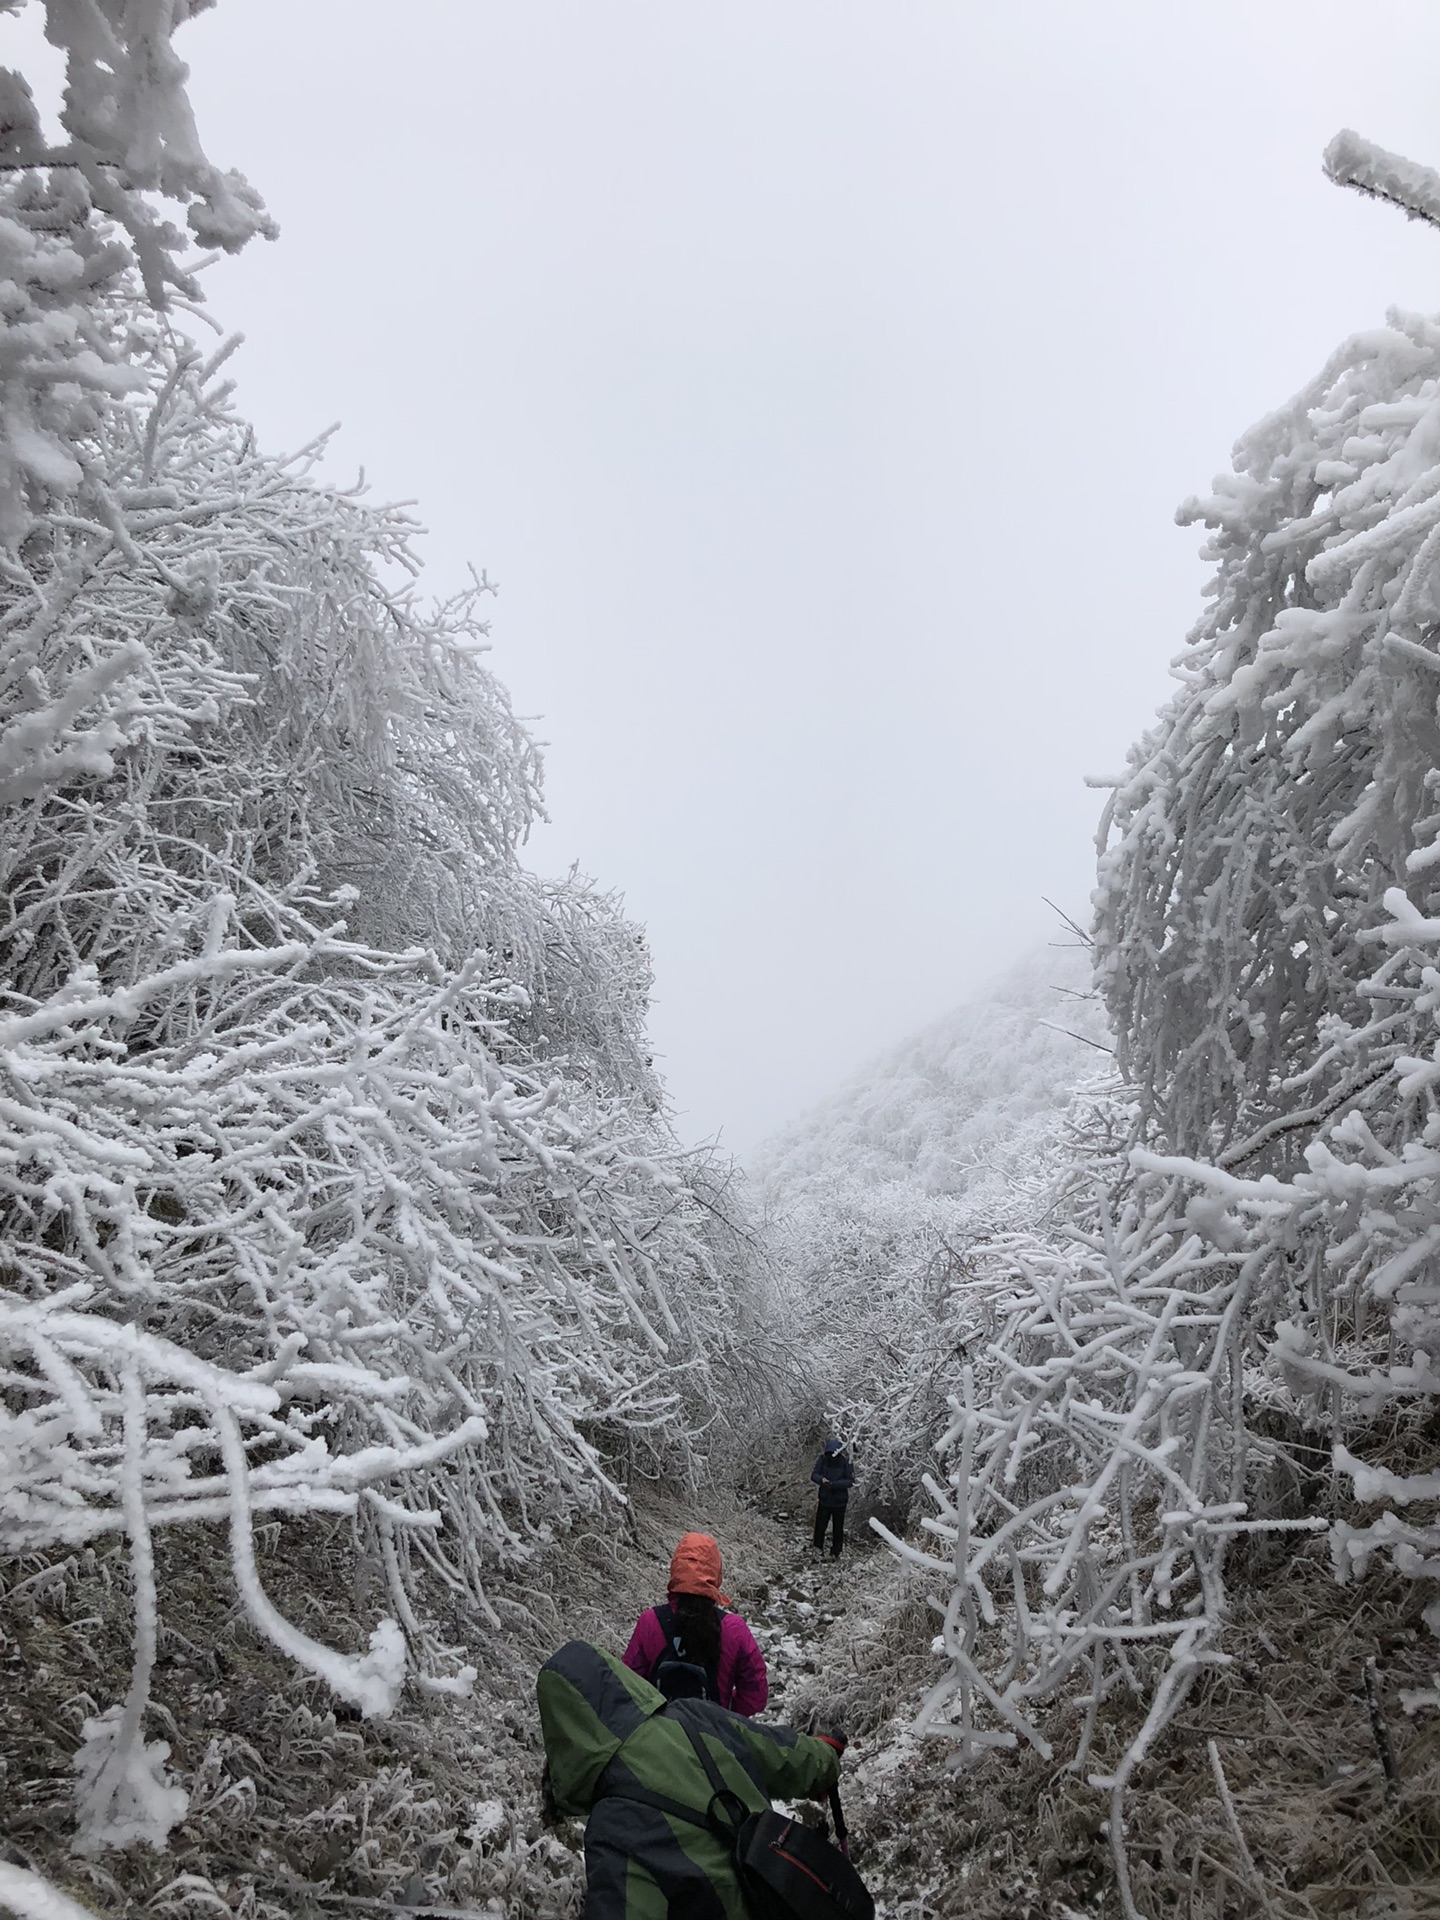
x=697, y=1621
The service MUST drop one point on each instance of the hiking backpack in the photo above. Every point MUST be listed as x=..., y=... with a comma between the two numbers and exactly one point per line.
x=677, y=1675
x=786, y=1871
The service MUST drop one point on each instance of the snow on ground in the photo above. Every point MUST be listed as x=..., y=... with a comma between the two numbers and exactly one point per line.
x=302, y=1811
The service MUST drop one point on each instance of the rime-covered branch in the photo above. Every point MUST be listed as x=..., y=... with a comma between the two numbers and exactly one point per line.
x=1352, y=161
x=332, y=1172
x=1259, y=1258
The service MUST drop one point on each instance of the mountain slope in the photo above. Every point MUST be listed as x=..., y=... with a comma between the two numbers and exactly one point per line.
x=953, y=1105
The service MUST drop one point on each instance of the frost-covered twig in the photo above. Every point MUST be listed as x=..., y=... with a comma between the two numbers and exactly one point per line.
x=1352, y=161
x=1232, y=1820
x=323, y=1127
x=1380, y=1727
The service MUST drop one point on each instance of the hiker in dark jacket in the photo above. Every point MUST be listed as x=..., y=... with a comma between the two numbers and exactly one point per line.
x=834, y=1476
x=696, y=1644
x=610, y=1735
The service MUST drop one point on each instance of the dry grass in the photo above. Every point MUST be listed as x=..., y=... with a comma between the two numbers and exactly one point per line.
x=1017, y=1838
x=297, y=1806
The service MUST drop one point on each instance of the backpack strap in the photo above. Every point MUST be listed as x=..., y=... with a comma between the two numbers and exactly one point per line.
x=733, y=1808
x=666, y=1616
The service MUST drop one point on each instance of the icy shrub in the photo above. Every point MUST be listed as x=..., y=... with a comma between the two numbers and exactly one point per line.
x=333, y=1175
x=1262, y=1262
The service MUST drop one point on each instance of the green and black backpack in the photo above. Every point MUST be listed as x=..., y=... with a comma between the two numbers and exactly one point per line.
x=787, y=1871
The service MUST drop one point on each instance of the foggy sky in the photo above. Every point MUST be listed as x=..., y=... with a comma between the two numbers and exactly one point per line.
x=818, y=381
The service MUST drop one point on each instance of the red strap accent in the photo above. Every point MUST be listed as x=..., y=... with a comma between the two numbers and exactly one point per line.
x=799, y=1865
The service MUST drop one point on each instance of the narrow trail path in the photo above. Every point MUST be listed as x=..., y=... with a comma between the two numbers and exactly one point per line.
x=828, y=1630
x=819, y=1620
x=849, y=1642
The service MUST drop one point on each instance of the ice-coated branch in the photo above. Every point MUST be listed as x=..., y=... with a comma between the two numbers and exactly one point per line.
x=1095, y=1405
x=125, y=1793
x=332, y=1176
x=1352, y=161
x=78, y=220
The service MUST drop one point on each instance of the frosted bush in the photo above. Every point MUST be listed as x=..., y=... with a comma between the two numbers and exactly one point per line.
x=333, y=1173
x=77, y=217
x=1266, y=917
x=1302, y=758
x=1291, y=783
x=313, y=1189
x=1096, y=1467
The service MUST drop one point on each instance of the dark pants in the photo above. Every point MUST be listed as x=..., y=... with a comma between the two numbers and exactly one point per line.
x=833, y=1517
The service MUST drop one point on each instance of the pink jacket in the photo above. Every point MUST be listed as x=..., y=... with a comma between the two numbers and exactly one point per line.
x=744, y=1683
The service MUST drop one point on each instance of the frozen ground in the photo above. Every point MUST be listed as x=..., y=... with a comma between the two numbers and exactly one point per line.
x=300, y=1809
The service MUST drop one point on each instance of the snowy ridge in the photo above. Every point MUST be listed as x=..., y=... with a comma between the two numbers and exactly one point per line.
x=951, y=1109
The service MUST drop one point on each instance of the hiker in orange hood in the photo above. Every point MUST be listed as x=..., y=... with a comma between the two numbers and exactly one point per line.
x=696, y=1647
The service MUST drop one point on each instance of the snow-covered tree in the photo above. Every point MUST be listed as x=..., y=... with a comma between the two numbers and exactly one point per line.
x=333, y=1171
x=1291, y=783
x=78, y=216
x=1264, y=1258
x=1268, y=904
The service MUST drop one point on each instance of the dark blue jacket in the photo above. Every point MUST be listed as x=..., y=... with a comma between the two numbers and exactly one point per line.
x=834, y=1476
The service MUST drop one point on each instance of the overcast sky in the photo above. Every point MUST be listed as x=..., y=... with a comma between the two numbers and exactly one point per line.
x=818, y=380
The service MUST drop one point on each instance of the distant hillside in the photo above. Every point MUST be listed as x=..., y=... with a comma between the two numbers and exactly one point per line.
x=954, y=1107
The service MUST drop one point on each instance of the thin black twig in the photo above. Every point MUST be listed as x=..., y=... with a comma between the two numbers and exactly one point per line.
x=1079, y=1036
x=1073, y=925
x=1379, y=1726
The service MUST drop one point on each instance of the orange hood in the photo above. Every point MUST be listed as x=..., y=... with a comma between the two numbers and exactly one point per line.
x=695, y=1568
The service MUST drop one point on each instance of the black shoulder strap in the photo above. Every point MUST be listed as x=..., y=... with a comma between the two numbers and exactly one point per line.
x=735, y=1810
x=705, y=1757
x=733, y=1807
x=666, y=1616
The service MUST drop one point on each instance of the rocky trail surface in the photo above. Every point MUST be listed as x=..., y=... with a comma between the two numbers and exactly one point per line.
x=847, y=1643
x=850, y=1643
x=301, y=1811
